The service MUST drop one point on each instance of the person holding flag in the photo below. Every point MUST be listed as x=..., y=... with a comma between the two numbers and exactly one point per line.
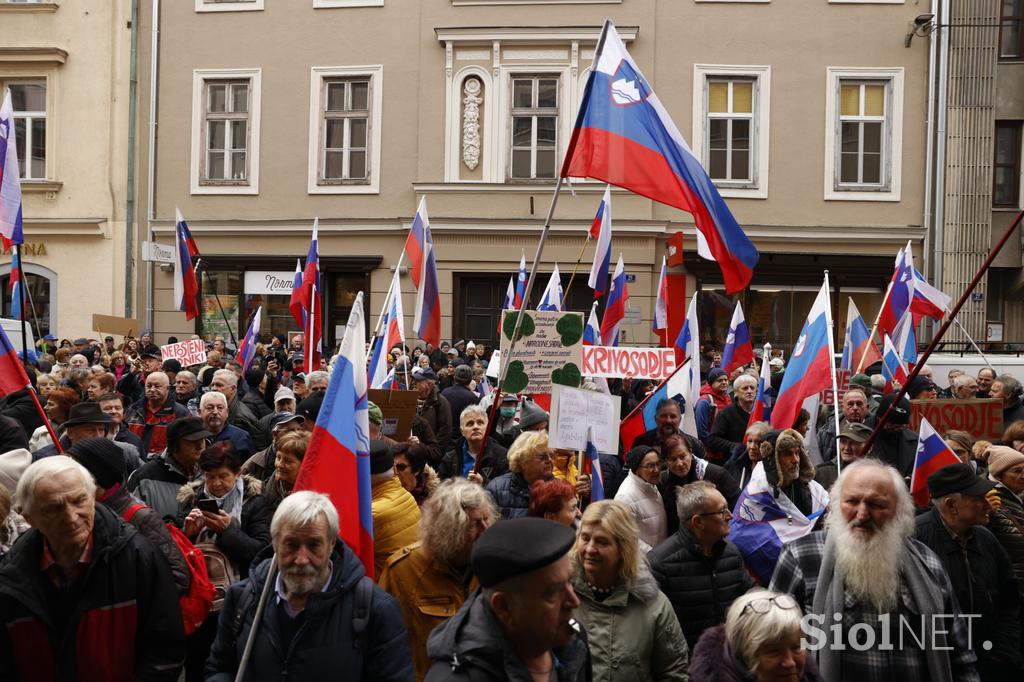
x=896, y=444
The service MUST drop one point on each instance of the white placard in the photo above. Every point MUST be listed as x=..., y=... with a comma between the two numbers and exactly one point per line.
x=276, y=282
x=191, y=352
x=574, y=411
x=494, y=365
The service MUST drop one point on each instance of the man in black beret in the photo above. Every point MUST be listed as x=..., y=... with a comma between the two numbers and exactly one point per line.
x=978, y=567
x=519, y=625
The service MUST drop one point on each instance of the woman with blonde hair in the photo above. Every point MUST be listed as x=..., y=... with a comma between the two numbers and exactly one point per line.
x=632, y=630
x=529, y=459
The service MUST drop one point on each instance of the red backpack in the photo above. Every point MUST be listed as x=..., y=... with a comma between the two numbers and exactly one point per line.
x=197, y=602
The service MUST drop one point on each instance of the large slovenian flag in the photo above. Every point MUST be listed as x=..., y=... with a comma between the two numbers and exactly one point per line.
x=419, y=249
x=859, y=350
x=601, y=230
x=642, y=418
x=762, y=410
x=615, y=307
x=928, y=301
x=624, y=136
x=592, y=466
x=186, y=288
x=901, y=291
x=932, y=455
x=810, y=365
x=337, y=461
x=247, y=348
x=764, y=519
x=893, y=368
x=738, y=351
x=551, y=300
x=15, y=277
x=659, y=321
x=521, y=282
x=295, y=301
x=311, y=301
x=10, y=177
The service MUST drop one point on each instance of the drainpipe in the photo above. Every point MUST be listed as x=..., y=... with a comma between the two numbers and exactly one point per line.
x=129, y=238
x=929, y=156
x=942, y=106
x=151, y=199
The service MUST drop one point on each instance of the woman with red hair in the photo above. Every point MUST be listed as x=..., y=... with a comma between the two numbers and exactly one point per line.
x=554, y=500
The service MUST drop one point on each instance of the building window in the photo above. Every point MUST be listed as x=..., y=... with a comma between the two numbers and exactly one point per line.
x=28, y=102
x=864, y=145
x=1011, y=29
x=225, y=120
x=344, y=135
x=534, y=127
x=1006, y=169
x=345, y=129
x=729, y=147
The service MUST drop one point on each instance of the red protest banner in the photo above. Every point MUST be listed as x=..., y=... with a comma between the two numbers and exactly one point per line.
x=639, y=363
x=982, y=418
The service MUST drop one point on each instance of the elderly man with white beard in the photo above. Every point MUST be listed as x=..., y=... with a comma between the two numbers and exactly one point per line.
x=878, y=603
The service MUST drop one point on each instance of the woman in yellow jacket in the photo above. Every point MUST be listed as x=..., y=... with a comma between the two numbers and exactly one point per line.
x=395, y=512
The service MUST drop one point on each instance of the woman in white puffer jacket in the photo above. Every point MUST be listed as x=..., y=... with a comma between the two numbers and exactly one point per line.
x=640, y=493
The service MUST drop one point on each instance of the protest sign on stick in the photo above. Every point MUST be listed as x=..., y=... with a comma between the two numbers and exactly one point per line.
x=549, y=351
x=574, y=411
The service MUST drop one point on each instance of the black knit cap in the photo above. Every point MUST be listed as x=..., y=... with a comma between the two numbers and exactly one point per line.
x=518, y=546
x=103, y=458
x=381, y=458
x=636, y=455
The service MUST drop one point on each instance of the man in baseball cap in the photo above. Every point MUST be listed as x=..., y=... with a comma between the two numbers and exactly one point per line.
x=852, y=437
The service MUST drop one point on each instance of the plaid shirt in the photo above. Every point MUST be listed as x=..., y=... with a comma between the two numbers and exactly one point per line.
x=797, y=574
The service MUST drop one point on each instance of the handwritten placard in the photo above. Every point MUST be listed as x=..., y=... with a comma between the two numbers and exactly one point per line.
x=549, y=351
x=575, y=411
x=191, y=352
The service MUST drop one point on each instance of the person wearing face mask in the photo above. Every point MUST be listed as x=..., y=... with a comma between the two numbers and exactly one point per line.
x=506, y=430
x=683, y=467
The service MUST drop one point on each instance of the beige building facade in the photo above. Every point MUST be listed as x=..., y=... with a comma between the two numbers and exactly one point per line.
x=812, y=117
x=67, y=65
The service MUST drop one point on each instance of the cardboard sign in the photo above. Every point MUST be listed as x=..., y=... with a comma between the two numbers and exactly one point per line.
x=549, y=351
x=191, y=352
x=399, y=408
x=639, y=363
x=980, y=417
x=108, y=324
x=574, y=411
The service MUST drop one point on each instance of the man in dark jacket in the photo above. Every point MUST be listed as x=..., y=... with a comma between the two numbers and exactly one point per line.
x=20, y=407
x=432, y=406
x=731, y=423
x=1010, y=391
x=148, y=418
x=459, y=397
x=667, y=417
x=520, y=621
x=460, y=461
x=325, y=618
x=82, y=595
x=978, y=567
x=87, y=420
x=158, y=481
x=896, y=444
x=697, y=568
x=225, y=381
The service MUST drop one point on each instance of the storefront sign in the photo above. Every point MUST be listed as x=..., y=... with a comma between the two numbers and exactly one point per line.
x=575, y=412
x=269, y=282
x=155, y=252
x=549, y=351
x=29, y=249
x=982, y=418
x=639, y=363
x=191, y=352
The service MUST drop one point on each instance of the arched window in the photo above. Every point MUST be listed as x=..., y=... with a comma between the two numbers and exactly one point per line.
x=41, y=288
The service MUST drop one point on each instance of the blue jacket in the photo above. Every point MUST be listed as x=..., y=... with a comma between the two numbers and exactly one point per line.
x=239, y=438
x=511, y=494
x=323, y=646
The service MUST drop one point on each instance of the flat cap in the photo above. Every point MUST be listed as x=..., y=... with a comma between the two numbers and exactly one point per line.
x=958, y=478
x=518, y=546
x=423, y=373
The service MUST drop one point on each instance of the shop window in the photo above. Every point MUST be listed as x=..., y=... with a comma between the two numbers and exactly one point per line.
x=41, y=295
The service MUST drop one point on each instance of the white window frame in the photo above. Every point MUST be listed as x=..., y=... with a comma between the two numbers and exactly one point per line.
x=24, y=167
x=375, y=74
x=565, y=118
x=560, y=86
x=334, y=4
x=198, y=157
x=229, y=6
x=893, y=133
x=760, y=125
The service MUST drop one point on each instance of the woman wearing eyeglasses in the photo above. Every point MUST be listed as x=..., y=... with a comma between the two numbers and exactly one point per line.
x=640, y=493
x=529, y=460
x=632, y=631
x=760, y=641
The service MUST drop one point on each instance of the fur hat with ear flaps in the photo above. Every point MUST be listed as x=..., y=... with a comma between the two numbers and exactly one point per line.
x=785, y=439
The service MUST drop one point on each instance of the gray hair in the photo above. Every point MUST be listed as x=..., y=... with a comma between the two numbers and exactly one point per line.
x=302, y=508
x=743, y=379
x=185, y=374
x=212, y=395
x=472, y=411
x=317, y=375
x=445, y=517
x=905, y=510
x=748, y=630
x=877, y=382
x=692, y=498
x=47, y=467
x=228, y=376
x=962, y=380
x=1011, y=386
x=758, y=430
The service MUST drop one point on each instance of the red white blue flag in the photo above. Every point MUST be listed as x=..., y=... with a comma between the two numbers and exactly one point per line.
x=521, y=283
x=687, y=347
x=295, y=302
x=932, y=454
x=859, y=350
x=419, y=249
x=310, y=297
x=337, y=461
x=739, y=350
x=601, y=230
x=247, y=347
x=624, y=136
x=615, y=308
x=893, y=367
x=551, y=300
x=10, y=178
x=186, y=288
x=592, y=332
x=510, y=296
x=905, y=340
x=659, y=321
x=810, y=365
x=592, y=466
x=901, y=291
x=928, y=301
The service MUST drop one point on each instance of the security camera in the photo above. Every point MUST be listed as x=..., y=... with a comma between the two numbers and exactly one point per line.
x=922, y=19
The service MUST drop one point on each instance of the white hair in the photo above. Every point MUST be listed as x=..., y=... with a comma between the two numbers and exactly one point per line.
x=185, y=374
x=302, y=508
x=472, y=411
x=317, y=375
x=743, y=379
x=692, y=498
x=748, y=630
x=24, y=494
x=228, y=376
x=212, y=395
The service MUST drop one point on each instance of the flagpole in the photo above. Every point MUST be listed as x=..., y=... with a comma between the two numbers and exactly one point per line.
x=874, y=328
x=884, y=418
x=260, y=607
x=23, y=302
x=971, y=339
x=380, y=318
x=579, y=259
x=832, y=368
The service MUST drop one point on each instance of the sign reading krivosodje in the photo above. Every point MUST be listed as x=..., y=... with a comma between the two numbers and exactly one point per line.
x=549, y=351
x=980, y=417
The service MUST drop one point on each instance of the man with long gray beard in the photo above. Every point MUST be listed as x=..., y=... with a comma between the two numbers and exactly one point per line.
x=878, y=603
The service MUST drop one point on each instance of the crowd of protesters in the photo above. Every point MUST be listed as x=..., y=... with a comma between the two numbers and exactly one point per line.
x=491, y=559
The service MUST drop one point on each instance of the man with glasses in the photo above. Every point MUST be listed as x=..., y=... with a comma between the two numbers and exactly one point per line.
x=697, y=568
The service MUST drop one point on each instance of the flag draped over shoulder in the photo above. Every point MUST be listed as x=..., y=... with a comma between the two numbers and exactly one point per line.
x=625, y=136
x=337, y=461
x=764, y=519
